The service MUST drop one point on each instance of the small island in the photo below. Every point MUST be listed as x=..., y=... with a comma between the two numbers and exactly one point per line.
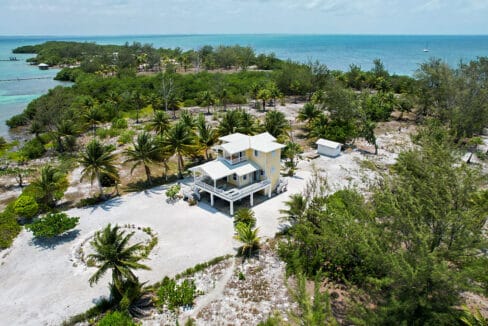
x=179, y=186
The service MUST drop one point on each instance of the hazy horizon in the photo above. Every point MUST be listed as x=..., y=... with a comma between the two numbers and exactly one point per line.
x=205, y=17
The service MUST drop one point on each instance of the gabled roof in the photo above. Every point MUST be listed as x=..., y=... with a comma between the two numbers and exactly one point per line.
x=219, y=169
x=238, y=142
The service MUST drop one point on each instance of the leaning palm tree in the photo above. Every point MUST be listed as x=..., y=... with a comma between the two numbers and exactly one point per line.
x=206, y=135
x=179, y=140
x=207, y=99
x=144, y=151
x=50, y=185
x=249, y=238
x=159, y=122
x=112, y=252
x=296, y=207
x=98, y=160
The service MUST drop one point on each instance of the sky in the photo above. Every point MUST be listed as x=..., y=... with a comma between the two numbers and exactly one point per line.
x=128, y=17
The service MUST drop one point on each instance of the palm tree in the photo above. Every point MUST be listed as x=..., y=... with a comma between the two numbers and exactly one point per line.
x=207, y=99
x=98, y=160
x=163, y=155
x=296, y=208
x=230, y=123
x=112, y=252
x=159, y=122
x=249, y=238
x=275, y=123
x=319, y=127
x=93, y=117
x=247, y=124
x=206, y=135
x=308, y=113
x=179, y=140
x=188, y=119
x=50, y=185
x=290, y=152
x=144, y=151
x=264, y=94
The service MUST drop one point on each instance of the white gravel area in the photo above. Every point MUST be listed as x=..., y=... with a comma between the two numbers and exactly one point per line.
x=43, y=284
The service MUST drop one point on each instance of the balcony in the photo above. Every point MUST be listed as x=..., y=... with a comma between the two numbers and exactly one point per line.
x=231, y=193
x=235, y=159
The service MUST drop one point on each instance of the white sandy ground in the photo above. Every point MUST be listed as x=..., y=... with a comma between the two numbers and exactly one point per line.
x=45, y=284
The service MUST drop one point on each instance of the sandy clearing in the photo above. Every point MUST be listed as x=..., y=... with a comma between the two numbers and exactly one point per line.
x=42, y=285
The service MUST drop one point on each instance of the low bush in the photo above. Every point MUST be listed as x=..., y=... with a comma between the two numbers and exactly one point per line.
x=126, y=137
x=17, y=120
x=116, y=318
x=26, y=206
x=173, y=296
x=9, y=227
x=32, y=149
x=53, y=224
x=200, y=267
x=91, y=201
x=119, y=123
x=173, y=191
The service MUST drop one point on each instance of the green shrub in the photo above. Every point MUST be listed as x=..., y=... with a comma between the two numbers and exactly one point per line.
x=26, y=206
x=189, y=102
x=119, y=123
x=17, y=120
x=90, y=201
x=102, y=133
x=245, y=216
x=33, y=149
x=9, y=228
x=173, y=191
x=173, y=295
x=52, y=224
x=126, y=137
x=200, y=267
x=116, y=318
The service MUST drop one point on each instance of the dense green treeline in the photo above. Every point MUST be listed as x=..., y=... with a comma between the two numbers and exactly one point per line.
x=411, y=250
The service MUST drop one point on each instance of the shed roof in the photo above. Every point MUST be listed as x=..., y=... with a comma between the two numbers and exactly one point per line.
x=328, y=143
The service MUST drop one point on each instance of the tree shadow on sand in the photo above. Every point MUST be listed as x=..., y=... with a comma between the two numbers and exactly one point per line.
x=52, y=243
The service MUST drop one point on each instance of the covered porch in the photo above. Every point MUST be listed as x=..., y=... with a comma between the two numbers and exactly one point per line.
x=230, y=182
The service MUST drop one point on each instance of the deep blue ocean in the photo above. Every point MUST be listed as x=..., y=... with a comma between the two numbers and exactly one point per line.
x=400, y=54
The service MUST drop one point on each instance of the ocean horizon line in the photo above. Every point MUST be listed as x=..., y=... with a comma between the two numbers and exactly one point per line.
x=236, y=34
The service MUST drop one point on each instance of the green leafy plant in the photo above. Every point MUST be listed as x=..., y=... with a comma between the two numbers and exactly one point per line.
x=116, y=318
x=26, y=206
x=53, y=224
x=174, y=295
x=245, y=216
x=173, y=191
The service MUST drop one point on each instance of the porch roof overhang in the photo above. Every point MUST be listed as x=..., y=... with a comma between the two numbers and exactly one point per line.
x=218, y=169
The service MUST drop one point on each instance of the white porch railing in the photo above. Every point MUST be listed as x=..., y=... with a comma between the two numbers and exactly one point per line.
x=236, y=160
x=234, y=193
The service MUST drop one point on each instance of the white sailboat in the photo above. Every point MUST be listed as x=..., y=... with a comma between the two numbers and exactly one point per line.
x=426, y=49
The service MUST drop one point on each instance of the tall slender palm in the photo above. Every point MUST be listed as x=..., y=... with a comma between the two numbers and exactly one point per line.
x=98, y=160
x=264, y=94
x=275, y=123
x=112, y=252
x=50, y=185
x=144, y=151
x=92, y=117
x=159, y=122
x=179, y=140
x=206, y=135
x=249, y=238
x=163, y=155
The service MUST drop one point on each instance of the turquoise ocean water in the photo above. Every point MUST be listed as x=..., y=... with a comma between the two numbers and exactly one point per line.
x=400, y=54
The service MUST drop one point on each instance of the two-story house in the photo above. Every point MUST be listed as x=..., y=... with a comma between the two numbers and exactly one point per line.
x=245, y=165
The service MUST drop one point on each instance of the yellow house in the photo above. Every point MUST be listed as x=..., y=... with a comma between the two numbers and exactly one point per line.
x=244, y=166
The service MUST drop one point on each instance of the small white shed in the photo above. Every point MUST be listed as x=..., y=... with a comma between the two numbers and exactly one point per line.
x=328, y=147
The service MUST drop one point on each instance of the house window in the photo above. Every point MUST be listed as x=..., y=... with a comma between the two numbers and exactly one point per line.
x=256, y=153
x=244, y=177
x=234, y=177
x=273, y=153
x=262, y=173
